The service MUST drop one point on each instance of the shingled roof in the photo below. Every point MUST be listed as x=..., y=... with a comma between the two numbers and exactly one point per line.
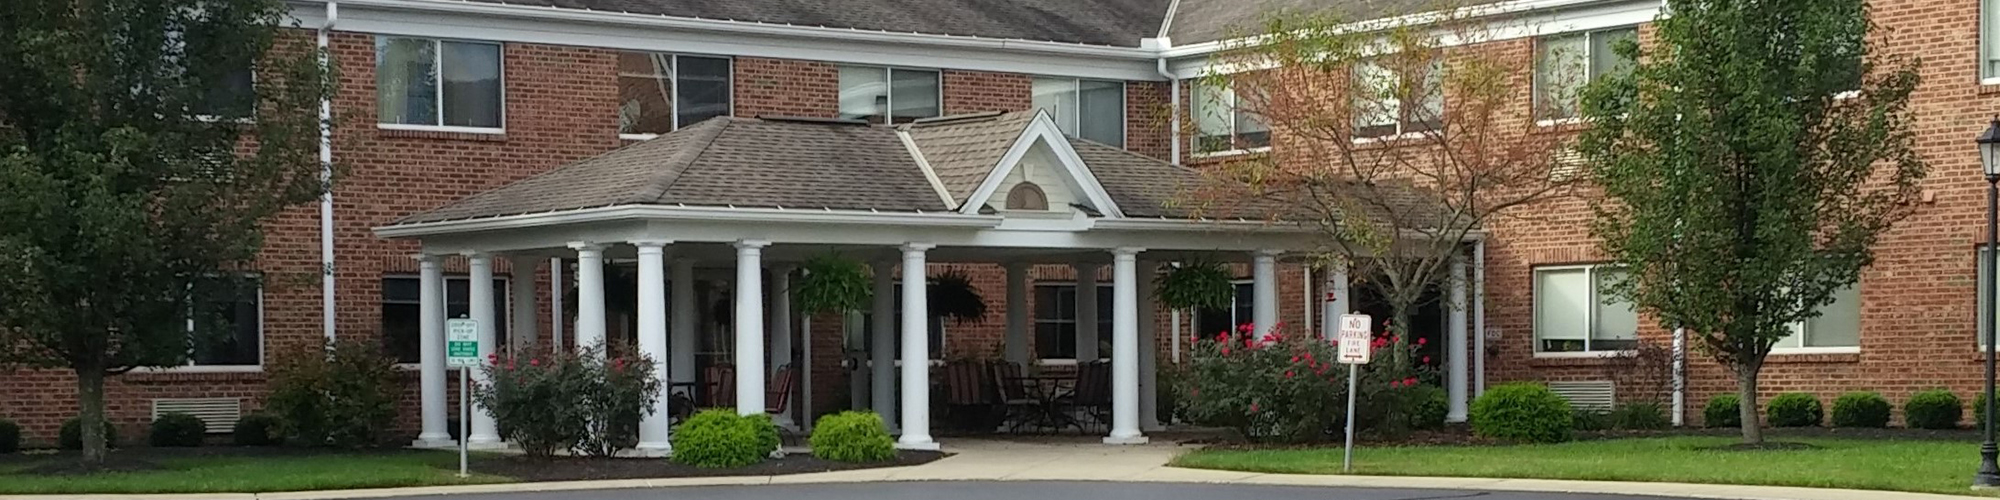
x=1095, y=22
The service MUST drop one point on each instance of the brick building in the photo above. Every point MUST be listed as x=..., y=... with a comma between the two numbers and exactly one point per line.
x=443, y=100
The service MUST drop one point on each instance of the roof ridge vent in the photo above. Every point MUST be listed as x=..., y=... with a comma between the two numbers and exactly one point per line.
x=966, y=117
x=811, y=119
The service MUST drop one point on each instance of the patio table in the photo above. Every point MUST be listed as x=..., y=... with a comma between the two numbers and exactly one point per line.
x=1049, y=392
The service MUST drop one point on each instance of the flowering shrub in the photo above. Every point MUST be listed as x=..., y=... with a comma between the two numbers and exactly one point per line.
x=1284, y=388
x=568, y=402
x=341, y=394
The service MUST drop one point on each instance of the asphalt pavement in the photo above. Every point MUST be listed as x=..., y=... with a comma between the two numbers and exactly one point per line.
x=1025, y=490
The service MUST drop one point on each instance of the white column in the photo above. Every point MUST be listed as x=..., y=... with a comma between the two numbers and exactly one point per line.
x=523, y=327
x=589, y=298
x=556, y=286
x=1125, y=348
x=882, y=345
x=430, y=338
x=1336, y=302
x=1017, y=313
x=781, y=331
x=484, y=432
x=1149, y=359
x=1454, y=354
x=916, y=353
x=1478, y=319
x=750, y=327
x=652, y=309
x=1264, y=270
x=685, y=337
x=1086, y=312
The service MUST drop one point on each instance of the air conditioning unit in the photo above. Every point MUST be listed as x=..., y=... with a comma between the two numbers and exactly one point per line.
x=220, y=414
x=1597, y=395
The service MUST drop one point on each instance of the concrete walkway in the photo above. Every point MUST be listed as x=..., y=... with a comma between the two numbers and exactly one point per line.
x=1074, y=460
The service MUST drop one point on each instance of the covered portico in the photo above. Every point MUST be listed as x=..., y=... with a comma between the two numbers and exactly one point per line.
x=761, y=196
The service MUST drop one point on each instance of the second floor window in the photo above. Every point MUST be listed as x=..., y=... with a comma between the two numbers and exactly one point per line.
x=1090, y=109
x=1388, y=103
x=1565, y=63
x=1989, y=40
x=889, y=95
x=424, y=82
x=1223, y=125
x=658, y=93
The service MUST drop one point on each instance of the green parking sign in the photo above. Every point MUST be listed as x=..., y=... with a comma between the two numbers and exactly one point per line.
x=461, y=343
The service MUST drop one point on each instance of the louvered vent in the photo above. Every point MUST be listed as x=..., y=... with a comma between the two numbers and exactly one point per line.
x=1568, y=165
x=1586, y=395
x=219, y=413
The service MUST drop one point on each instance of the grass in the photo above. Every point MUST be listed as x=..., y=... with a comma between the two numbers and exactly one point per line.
x=250, y=474
x=1871, y=464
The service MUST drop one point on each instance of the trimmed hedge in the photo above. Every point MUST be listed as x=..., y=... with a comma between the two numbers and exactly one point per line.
x=1933, y=409
x=1428, y=407
x=852, y=436
x=1640, y=416
x=257, y=429
x=1861, y=409
x=70, y=436
x=177, y=429
x=1723, y=410
x=1522, y=412
x=720, y=438
x=10, y=436
x=1795, y=409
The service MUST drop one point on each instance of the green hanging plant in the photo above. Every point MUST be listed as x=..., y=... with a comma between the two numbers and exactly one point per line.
x=1199, y=284
x=953, y=296
x=832, y=283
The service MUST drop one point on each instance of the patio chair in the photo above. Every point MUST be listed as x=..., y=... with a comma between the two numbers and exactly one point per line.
x=1021, y=408
x=778, y=398
x=721, y=380
x=1093, y=391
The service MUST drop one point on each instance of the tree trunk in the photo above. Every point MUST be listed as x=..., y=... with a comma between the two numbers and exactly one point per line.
x=1399, y=356
x=1746, y=391
x=90, y=397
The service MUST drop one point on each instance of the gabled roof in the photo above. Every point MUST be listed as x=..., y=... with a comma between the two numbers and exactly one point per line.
x=963, y=150
x=1197, y=21
x=1095, y=22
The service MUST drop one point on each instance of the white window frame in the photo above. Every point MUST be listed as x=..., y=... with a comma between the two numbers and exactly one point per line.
x=1987, y=31
x=674, y=76
x=1805, y=328
x=1589, y=314
x=263, y=343
x=888, y=88
x=1076, y=91
x=501, y=307
x=1229, y=100
x=1035, y=321
x=1401, y=108
x=437, y=56
x=1535, y=90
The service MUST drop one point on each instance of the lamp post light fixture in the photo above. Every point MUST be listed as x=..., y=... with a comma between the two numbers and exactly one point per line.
x=1989, y=160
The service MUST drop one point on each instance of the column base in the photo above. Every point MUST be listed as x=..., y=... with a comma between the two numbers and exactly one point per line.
x=923, y=445
x=484, y=443
x=1127, y=440
x=438, y=441
x=1455, y=419
x=650, y=450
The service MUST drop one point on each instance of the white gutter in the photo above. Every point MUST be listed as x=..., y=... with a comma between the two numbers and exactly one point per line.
x=1174, y=84
x=1495, y=9
x=1478, y=318
x=326, y=280
x=707, y=214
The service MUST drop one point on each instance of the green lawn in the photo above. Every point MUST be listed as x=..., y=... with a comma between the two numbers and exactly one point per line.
x=250, y=474
x=1901, y=465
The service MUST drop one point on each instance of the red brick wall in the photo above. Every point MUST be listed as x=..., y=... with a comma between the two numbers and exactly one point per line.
x=781, y=87
x=978, y=91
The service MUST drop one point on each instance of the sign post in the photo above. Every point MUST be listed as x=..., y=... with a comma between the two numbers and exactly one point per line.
x=1355, y=339
x=461, y=351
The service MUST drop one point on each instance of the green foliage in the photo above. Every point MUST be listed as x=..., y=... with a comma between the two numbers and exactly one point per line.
x=1287, y=388
x=1979, y=408
x=720, y=438
x=177, y=429
x=1428, y=406
x=569, y=402
x=1586, y=419
x=1795, y=409
x=952, y=296
x=831, y=283
x=122, y=193
x=70, y=436
x=1861, y=409
x=1933, y=409
x=852, y=436
x=1723, y=410
x=10, y=436
x=1197, y=284
x=1640, y=416
x=1742, y=186
x=258, y=429
x=1522, y=412
x=341, y=396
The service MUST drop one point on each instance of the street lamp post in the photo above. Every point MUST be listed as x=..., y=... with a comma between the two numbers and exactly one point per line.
x=1989, y=160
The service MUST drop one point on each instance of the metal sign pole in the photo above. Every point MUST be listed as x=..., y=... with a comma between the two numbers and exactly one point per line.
x=1347, y=459
x=1355, y=339
x=463, y=417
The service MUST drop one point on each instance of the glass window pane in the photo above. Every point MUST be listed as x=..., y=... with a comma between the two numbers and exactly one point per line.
x=1428, y=111
x=645, y=105
x=915, y=96
x=1604, y=59
x=228, y=328
x=1839, y=323
x=1102, y=116
x=1376, y=108
x=864, y=93
x=1212, y=116
x=233, y=96
x=704, y=88
x=1045, y=303
x=1251, y=132
x=1058, y=97
x=471, y=84
x=406, y=81
x=1617, y=320
x=1560, y=72
x=1562, y=301
x=1990, y=38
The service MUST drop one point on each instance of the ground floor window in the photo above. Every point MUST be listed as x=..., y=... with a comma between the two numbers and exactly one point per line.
x=1242, y=309
x=226, y=324
x=1573, y=314
x=1838, y=324
x=402, y=322
x=866, y=335
x=1056, y=321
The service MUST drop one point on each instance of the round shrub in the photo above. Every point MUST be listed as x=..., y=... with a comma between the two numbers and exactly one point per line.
x=1861, y=409
x=1427, y=407
x=852, y=436
x=70, y=436
x=1795, y=409
x=1979, y=408
x=720, y=438
x=1641, y=416
x=1522, y=412
x=1723, y=410
x=10, y=436
x=257, y=429
x=1590, y=420
x=1933, y=409
x=177, y=429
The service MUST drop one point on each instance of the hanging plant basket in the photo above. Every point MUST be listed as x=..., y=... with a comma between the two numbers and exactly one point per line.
x=832, y=283
x=1198, y=284
x=952, y=296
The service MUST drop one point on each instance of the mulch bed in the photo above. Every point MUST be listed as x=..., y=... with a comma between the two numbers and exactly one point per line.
x=1461, y=435
x=591, y=468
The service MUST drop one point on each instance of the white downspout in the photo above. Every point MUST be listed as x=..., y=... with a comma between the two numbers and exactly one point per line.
x=1478, y=318
x=1174, y=83
x=1680, y=377
x=326, y=280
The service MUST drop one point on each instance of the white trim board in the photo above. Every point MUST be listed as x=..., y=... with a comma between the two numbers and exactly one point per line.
x=1043, y=129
